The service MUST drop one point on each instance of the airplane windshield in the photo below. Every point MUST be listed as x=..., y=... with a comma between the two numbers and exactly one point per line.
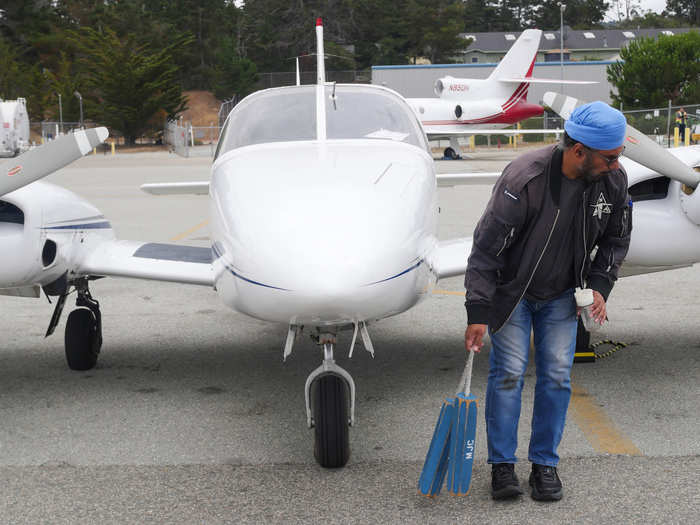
x=289, y=114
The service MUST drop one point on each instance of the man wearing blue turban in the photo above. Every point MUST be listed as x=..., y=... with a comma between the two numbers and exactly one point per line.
x=550, y=209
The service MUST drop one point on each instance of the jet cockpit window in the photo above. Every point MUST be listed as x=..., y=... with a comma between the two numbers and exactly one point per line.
x=289, y=114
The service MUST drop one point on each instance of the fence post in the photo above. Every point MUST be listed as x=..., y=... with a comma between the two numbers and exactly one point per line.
x=668, y=123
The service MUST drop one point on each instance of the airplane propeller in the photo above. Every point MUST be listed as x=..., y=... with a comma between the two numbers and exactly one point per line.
x=638, y=146
x=47, y=158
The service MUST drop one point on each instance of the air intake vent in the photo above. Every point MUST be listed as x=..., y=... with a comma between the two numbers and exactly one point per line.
x=48, y=254
x=11, y=213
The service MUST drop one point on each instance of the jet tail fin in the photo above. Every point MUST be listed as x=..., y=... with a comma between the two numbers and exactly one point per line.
x=520, y=58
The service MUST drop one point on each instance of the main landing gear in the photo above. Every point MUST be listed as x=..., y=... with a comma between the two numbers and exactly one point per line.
x=83, y=336
x=329, y=394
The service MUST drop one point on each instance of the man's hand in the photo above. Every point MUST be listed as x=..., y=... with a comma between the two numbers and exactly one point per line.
x=598, y=309
x=474, y=337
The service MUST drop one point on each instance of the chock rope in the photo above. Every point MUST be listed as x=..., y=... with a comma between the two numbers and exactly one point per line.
x=616, y=345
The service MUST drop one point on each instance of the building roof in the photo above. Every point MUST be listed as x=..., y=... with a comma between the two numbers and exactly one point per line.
x=573, y=38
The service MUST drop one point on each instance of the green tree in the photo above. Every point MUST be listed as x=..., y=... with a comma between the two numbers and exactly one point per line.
x=581, y=14
x=127, y=84
x=686, y=10
x=20, y=79
x=655, y=71
x=434, y=29
x=234, y=74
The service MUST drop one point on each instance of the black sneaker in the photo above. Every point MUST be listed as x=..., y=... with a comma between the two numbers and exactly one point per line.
x=545, y=483
x=504, y=482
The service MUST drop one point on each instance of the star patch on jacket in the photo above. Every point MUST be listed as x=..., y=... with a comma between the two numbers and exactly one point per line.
x=601, y=206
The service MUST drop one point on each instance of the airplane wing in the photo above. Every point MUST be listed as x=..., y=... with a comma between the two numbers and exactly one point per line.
x=464, y=179
x=451, y=257
x=434, y=132
x=531, y=80
x=47, y=158
x=154, y=261
x=177, y=188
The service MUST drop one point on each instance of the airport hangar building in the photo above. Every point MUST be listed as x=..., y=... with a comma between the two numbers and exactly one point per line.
x=587, y=53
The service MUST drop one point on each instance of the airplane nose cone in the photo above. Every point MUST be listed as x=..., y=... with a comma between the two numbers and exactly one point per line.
x=332, y=226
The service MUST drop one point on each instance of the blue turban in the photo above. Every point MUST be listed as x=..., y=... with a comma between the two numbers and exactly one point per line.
x=597, y=126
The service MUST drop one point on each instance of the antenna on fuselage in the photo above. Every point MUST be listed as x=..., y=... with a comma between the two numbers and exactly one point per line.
x=320, y=83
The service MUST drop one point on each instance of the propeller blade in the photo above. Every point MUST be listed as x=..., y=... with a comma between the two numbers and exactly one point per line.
x=638, y=146
x=47, y=158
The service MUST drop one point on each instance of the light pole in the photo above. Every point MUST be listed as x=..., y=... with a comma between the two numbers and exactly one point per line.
x=562, y=7
x=60, y=113
x=80, y=98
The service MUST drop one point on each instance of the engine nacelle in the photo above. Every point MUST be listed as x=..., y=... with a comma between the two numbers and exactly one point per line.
x=450, y=87
x=44, y=230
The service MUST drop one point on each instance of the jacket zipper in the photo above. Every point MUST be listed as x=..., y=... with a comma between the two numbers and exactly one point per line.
x=549, y=237
x=585, y=251
x=510, y=234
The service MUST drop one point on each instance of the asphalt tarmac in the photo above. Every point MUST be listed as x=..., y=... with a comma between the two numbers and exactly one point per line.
x=191, y=416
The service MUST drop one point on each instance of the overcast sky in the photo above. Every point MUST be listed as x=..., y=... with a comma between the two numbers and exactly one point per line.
x=646, y=5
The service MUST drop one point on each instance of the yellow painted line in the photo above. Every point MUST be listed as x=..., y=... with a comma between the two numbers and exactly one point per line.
x=596, y=425
x=184, y=234
x=448, y=292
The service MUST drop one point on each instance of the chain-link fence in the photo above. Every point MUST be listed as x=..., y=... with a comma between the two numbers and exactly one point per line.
x=660, y=123
x=191, y=141
x=269, y=80
x=177, y=137
x=51, y=130
x=226, y=107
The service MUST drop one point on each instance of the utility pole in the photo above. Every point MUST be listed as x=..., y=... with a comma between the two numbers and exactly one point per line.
x=562, y=7
x=80, y=99
x=60, y=113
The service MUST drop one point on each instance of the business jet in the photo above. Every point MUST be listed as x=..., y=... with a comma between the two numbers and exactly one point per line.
x=348, y=165
x=466, y=106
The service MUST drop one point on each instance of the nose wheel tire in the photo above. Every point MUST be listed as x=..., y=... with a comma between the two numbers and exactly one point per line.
x=451, y=154
x=83, y=339
x=331, y=423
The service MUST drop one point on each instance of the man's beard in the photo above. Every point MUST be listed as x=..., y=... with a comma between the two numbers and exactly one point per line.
x=586, y=172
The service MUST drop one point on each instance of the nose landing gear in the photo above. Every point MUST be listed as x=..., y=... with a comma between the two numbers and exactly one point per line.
x=327, y=389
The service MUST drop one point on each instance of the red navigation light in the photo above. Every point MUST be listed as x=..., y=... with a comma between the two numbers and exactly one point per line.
x=319, y=22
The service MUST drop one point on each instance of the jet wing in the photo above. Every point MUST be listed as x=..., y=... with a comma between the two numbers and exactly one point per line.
x=434, y=132
x=177, y=188
x=451, y=256
x=153, y=261
x=531, y=80
x=464, y=179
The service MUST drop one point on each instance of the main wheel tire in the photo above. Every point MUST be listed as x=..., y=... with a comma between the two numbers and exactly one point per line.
x=82, y=341
x=450, y=153
x=331, y=430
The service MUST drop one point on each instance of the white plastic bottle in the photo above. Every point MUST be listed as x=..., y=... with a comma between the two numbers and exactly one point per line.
x=584, y=300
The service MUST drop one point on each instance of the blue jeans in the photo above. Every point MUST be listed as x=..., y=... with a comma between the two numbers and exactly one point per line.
x=554, y=324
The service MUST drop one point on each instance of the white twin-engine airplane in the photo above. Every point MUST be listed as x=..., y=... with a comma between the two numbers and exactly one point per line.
x=349, y=163
x=468, y=105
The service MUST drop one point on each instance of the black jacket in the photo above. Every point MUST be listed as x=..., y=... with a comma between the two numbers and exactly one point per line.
x=513, y=233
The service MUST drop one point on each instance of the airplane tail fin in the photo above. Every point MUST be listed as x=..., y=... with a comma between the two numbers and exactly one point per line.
x=519, y=61
x=520, y=58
